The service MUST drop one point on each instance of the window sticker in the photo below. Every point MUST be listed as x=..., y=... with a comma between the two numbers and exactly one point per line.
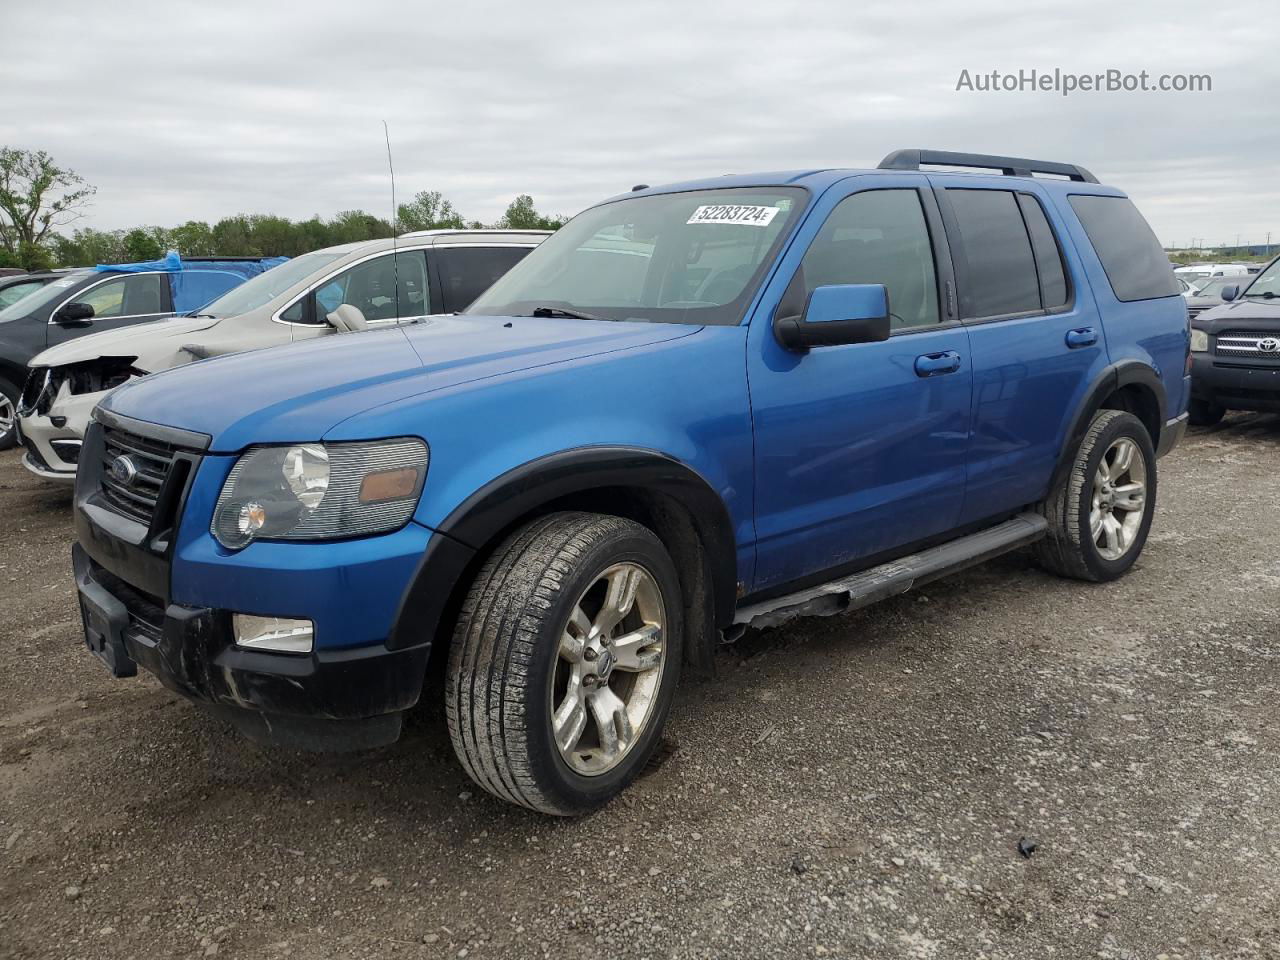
x=62, y=283
x=736, y=213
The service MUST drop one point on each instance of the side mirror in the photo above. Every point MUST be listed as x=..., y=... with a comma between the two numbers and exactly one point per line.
x=1230, y=292
x=74, y=315
x=835, y=315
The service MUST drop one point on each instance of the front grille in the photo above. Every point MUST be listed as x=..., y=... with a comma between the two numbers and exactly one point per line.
x=1239, y=343
x=141, y=467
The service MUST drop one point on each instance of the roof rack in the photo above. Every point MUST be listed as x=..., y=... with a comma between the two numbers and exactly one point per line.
x=1009, y=166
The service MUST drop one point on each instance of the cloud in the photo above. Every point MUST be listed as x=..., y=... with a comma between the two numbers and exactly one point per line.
x=210, y=110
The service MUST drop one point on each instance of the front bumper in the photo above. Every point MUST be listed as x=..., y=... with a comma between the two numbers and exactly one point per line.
x=161, y=596
x=328, y=700
x=1235, y=386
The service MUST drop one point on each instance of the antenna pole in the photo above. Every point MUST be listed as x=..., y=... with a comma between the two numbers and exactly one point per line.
x=395, y=219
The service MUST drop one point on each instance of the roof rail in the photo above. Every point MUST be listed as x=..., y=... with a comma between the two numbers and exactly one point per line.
x=1009, y=166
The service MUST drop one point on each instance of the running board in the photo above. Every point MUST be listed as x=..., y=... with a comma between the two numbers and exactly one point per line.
x=891, y=579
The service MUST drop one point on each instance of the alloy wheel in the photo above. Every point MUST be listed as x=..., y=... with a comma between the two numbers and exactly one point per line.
x=1119, y=499
x=608, y=669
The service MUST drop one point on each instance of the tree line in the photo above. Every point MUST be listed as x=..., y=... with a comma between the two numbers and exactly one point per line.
x=40, y=202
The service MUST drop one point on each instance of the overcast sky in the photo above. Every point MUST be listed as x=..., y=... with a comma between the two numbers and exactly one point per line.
x=184, y=111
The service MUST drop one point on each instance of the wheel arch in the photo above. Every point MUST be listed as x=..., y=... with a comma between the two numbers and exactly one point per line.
x=649, y=487
x=1130, y=385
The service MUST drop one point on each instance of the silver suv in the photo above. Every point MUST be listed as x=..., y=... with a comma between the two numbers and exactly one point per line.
x=336, y=290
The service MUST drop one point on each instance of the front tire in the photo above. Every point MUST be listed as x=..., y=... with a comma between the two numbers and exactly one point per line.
x=8, y=415
x=565, y=661
x=1100, y=514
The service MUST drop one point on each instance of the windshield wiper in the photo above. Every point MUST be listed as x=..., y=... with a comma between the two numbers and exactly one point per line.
x=1265, y=294
x=202, y=316
x=561, y=312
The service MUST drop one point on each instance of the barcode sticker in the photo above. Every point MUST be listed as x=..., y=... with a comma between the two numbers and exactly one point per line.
x=734, y=213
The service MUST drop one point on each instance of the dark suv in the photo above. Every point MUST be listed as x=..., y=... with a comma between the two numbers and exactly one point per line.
x=1235, y=350
x=693, y=409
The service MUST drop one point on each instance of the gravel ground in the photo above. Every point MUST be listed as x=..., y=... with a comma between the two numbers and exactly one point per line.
x=852, y=787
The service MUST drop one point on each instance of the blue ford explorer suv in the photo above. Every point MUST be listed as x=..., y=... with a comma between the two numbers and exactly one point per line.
x=694, y=409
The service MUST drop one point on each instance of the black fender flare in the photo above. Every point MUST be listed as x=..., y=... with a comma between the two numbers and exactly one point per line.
x=503, y=502
x=1117, y=375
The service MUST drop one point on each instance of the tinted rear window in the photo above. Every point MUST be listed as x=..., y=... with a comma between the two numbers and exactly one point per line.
x=1136, y=265
x=1053, y=279
x=467, y=272
x=1002, y=275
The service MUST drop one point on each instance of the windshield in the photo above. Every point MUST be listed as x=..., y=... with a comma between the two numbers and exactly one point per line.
x=1212, y=288
x=1265, y=284
x=671, y=258
x=265, y=287
x=49, y=293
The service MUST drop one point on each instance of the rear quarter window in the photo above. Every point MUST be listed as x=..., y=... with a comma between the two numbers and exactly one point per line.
x=1136, y=265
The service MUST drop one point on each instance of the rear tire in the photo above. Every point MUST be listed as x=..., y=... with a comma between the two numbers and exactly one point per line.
x=537, y=712
x=1202, y=413
x=1100, y=514
x=9, y=395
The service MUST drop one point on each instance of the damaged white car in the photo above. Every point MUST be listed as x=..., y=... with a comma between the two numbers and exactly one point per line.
x=339, y=289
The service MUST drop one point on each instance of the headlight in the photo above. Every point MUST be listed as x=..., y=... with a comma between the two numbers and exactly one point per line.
x=1199, y=341
x=317, y=491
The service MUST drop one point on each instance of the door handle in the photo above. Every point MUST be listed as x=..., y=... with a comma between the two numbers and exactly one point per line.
x=1082, y=337
x=935, y=364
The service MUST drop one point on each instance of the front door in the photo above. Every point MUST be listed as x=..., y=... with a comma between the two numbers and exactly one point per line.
x=860, y=449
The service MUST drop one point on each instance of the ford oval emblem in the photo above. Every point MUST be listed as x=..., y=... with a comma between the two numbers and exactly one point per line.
x=124, y=471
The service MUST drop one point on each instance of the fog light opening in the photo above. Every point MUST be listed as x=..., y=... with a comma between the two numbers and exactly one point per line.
x=279, y=634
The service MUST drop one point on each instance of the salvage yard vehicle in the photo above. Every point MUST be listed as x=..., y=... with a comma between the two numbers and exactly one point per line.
x=76, y=303
x=1235, y=350
x=693, y=410
x=438, y=271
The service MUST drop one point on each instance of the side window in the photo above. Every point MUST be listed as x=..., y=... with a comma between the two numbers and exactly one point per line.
x=879, y=236
x=107, y=299
x=1002, y=277
x=370, y=287
x=1136, y=265
x=467, y=272
x=128, y=296
x=1048, y=254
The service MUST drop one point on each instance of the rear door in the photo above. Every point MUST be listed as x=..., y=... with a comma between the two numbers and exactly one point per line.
x=118, y=300
x=1034, y=331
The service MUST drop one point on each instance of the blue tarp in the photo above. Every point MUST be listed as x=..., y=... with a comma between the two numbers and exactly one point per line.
x=197, y=282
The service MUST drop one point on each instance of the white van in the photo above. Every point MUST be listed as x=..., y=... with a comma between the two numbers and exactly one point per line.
x=1207, y=271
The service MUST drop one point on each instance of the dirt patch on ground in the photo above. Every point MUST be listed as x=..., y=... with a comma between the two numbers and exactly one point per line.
x=848, y=787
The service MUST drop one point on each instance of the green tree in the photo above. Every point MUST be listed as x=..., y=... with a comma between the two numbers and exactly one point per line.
x=193, y=239
x=351, y=226
x=428, y=210
x=36, y=195
x=233, y=237
x=141, y=244
x=521, y=215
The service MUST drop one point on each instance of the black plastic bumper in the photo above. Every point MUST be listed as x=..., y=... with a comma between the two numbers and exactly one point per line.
x=1235, y=387
x=329, y=700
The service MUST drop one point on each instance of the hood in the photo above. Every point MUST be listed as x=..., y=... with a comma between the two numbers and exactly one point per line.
x=301, y=391
x=138, y=340
x=1244, y=314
